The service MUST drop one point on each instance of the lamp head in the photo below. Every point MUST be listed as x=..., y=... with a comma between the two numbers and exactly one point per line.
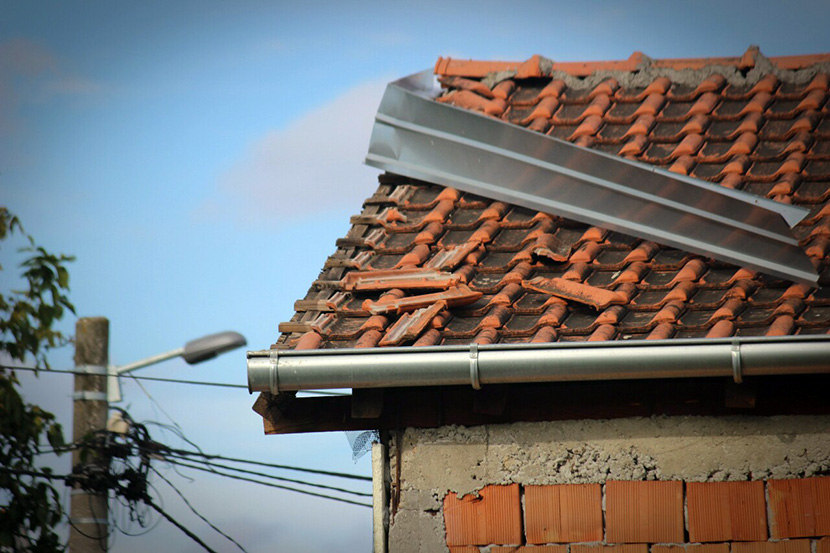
x=208, y=347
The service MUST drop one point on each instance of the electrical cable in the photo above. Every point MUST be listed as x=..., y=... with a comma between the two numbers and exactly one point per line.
x=177, y=524
x=156, y=403
x=158, y=379
x=185, y=454
x=280, y=478
x=269, y=484
x=197, y=513
x=273, y=465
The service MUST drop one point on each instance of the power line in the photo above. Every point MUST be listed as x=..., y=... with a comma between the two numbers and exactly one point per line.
x=153, y=378
x=280, y=478
x=187, y=454
x=269, y=484
x=197, y=513
x=159, y=379
x=177, y=524
x=272, y=465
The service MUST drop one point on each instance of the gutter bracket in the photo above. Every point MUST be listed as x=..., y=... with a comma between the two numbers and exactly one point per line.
x=274, y=361
x=736, y=362
x=475, y=378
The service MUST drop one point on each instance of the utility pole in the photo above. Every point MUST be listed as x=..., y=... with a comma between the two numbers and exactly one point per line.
x=88, y=511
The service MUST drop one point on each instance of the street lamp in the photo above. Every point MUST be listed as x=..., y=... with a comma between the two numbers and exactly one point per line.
x=96, y=385
x=195, y=351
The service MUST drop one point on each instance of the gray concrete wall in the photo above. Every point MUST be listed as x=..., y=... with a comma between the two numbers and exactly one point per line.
x=696, y=449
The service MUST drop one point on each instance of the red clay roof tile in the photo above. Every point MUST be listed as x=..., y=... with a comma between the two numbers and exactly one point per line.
x=721, y=329
x=662, y=331
x=574, y=291
x=453, y=296
x=467, y=84
x=504, y=89
x=404, y=279
x=410, y=325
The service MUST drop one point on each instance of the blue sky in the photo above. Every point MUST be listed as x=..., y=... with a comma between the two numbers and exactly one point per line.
x=201, y=158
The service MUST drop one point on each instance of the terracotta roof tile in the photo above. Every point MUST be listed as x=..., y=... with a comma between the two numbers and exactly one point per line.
x=415, y=244
x=722, y=329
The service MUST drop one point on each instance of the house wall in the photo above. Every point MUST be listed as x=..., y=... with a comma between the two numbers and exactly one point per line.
x=512, y=465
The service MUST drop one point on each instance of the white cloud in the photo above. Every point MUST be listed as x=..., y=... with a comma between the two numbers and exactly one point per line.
x=313, y=165
x=30, y=73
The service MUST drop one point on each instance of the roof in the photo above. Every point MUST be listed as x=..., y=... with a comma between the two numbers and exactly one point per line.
x=425, y=264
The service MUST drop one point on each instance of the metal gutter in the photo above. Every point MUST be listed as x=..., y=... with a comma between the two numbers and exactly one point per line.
x=281, y=371
x=416, y=136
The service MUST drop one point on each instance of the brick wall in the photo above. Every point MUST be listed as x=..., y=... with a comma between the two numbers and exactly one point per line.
x=775, y=516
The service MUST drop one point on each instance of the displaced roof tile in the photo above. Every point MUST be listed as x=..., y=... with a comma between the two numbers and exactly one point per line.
x=404, y=279
x=410, y=325
x=574, y=291
x=454, y=296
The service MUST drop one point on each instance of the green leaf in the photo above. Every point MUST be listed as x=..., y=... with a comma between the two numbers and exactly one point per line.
x=55, y=436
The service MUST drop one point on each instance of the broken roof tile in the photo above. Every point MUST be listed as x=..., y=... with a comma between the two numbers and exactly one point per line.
x=404, y=279
x=472, y=101
x=410, y=325
x=454, y=296
x=574, y=291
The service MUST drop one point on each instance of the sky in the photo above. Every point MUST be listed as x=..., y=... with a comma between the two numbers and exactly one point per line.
x=201, y=158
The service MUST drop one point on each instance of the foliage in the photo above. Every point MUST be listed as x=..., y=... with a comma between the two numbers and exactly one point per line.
x=29, y=505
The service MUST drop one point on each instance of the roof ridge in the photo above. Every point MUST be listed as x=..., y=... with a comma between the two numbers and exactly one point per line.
x=640, y=69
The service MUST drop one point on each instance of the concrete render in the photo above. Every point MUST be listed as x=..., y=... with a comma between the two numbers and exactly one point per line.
x=694, y=449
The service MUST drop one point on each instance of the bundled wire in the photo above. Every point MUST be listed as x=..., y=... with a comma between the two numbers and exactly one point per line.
x=121, y=463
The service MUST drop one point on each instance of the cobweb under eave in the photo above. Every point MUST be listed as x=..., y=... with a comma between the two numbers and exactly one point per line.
x=361, y=442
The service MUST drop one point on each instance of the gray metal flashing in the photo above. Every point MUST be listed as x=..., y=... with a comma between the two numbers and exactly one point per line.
x=416, y=136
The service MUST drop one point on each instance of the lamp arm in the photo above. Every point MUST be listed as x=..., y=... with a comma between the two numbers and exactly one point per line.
x=123, y=369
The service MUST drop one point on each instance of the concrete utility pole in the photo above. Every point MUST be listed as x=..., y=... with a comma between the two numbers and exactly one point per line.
x=88, y=512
